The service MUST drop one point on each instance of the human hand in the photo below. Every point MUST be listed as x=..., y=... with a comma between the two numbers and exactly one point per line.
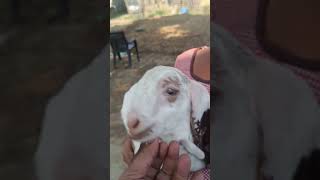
x=127, y=150
x=146, y=164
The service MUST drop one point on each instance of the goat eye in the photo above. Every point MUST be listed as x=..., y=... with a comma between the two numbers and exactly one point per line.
x=172, y=92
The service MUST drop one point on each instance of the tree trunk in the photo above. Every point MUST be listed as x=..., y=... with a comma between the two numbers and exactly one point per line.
x=142, y=7
x=120, y=6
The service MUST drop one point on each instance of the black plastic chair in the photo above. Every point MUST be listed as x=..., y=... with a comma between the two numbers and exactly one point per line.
x=120, y=44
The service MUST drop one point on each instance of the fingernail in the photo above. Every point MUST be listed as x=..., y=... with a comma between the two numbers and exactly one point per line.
x=175, y=143
x=163, y=142
x=185, y=157
x=157, y=140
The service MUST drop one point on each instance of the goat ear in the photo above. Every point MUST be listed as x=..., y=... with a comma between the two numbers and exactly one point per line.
x=200, y=99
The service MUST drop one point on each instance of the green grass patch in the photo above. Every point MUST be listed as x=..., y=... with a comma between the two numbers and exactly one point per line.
x=157, y=13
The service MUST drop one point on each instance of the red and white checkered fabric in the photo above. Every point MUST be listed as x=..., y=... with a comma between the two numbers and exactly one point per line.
x=204, y=172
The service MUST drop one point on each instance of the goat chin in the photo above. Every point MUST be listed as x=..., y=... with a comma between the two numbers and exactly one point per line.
x=309, y=167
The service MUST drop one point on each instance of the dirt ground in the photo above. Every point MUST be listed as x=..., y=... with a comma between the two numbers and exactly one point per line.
x=160, y=40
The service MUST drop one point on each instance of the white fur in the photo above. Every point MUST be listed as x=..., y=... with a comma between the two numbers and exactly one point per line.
x=259, y=93
x=170, y=121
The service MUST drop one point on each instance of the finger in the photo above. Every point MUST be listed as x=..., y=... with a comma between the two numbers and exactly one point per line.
x=162, y=153
x=127, y=151
x=140, y=165
x=183, y=168
x=170, y=162
x=163, y=150
x=154, y=169
x=147, y=155
x=151, y=174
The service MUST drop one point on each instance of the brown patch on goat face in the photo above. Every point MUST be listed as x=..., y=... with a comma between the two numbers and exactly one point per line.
x=172, y=99
x=171, y=87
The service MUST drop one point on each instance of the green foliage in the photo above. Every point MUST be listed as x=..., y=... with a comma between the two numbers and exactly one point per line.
x=158, y=13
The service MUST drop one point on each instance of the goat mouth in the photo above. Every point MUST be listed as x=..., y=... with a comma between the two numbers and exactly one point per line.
x=139, y=136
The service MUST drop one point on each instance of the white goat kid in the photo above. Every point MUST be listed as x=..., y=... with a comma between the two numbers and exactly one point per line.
x=160, y=105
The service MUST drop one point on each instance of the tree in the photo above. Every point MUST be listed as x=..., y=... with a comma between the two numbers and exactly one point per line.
x=120, y=6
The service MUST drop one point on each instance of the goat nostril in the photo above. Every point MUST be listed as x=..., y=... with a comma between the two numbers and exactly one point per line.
x=137, y=122
x=133, y=123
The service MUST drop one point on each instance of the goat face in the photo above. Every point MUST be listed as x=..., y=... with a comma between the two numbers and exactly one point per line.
x=161, y=101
